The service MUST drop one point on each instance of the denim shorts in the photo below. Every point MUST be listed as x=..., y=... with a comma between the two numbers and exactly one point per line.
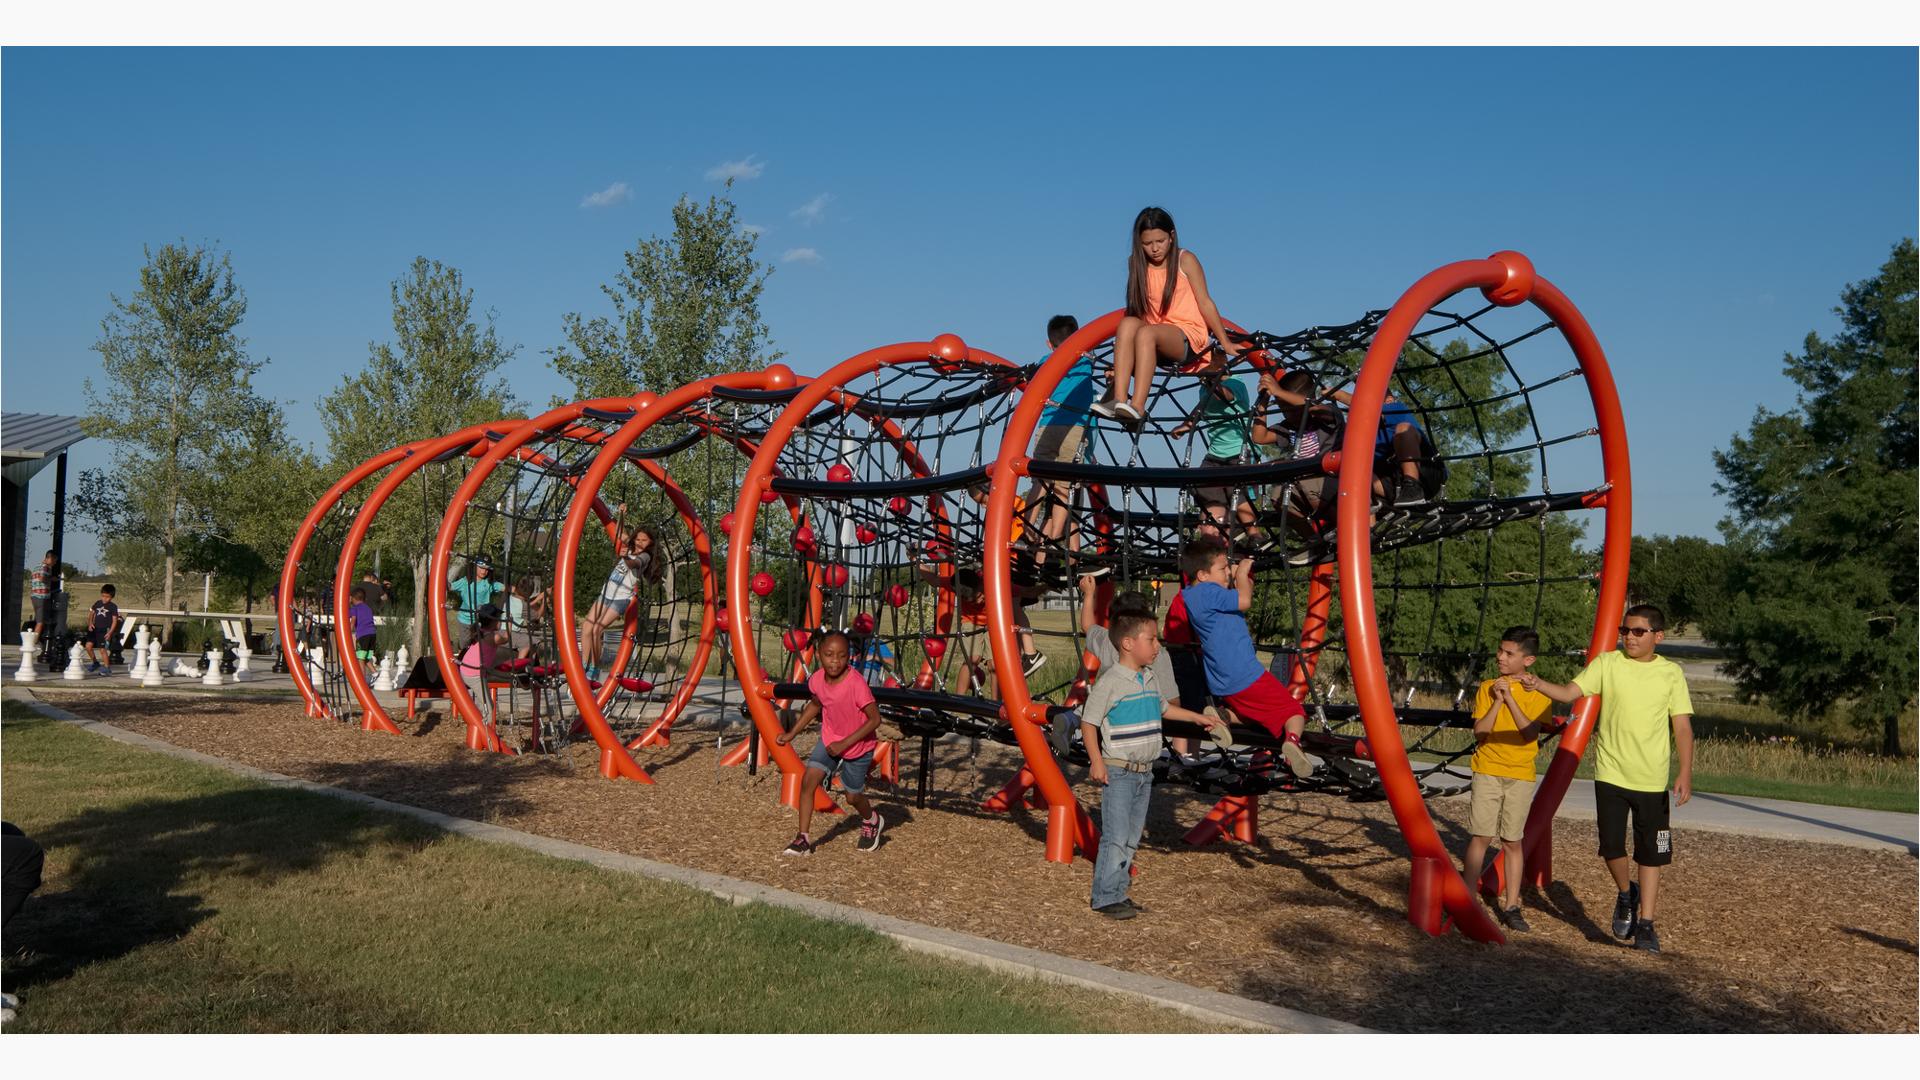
x=853, y=770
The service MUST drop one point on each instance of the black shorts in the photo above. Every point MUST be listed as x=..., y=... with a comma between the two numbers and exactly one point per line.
x=1189, y=678
x=97, y=638
x=1652, y=835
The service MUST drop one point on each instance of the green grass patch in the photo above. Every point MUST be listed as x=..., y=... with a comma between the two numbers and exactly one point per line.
x=180, y=898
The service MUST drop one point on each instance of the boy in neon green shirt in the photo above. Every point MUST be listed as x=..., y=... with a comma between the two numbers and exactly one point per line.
x=1506, y=725
x=1641, y=696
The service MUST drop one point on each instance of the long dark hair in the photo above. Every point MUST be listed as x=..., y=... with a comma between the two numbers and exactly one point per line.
x=1151, y=218
x=650, y=568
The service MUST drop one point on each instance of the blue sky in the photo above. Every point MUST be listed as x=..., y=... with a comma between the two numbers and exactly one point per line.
x=1703, y=207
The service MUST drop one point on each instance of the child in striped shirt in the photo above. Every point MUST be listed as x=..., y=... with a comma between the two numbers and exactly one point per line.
x=1121, y=726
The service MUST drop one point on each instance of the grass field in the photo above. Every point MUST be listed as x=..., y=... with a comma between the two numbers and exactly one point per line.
x=179, y=898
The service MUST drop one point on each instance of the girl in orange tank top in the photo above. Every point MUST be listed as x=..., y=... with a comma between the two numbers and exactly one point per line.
x=1166, y=321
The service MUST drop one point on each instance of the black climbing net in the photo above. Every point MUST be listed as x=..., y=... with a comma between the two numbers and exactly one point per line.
x=1487, y=532
x=885, y=484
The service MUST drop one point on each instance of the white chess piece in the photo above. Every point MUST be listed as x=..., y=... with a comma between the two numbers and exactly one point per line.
x=137, y=670
x=242, y=664
x=402, y=666
x=182, y=668
x=212, y=677
x=317, y=665
x=29, y=643
x=156, y=675
x=76, y=665
x=383, y=681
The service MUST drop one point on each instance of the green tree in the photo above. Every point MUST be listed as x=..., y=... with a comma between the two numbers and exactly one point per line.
x=438, y=375
x=178, y=388
x=685, y=307
x=1683, y=576
x=1821, y=584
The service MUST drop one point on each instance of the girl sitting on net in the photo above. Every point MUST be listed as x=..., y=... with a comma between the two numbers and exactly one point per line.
x=1168, y=316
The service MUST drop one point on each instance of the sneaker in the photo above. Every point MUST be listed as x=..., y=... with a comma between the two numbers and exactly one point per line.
x=1060, y=731
x=870, y=832
x=1297, y=759
x=800, y=846
x=1408, y=492
x=1515, y=921
x=1127, y=414
x=1138, y=908
x=1645, y=938
x=1624, y=911
x=1033, y=662
x=1117, y=911
x=1105, y=408
x=1094, y=571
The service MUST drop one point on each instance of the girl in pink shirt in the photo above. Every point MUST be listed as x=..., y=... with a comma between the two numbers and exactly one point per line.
x=849, y=717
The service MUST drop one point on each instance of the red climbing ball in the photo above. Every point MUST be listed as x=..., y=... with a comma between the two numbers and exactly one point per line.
x=863, y=623
x=840, y=474
x=898, y=504
x=726, y=523
x=803, y=539
x=763, y=584
x=835, y=576
x=867, y=534
x=769, y=495
x=949, y=352
x=934, y=647
x=897, y=596
x=794, y=640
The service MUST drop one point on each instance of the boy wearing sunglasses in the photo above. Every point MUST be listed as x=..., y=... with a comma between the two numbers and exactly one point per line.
x=1641, y=696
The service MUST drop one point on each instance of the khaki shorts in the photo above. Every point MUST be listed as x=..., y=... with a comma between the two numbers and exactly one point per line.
x=1060, y=442
x=1500, y=806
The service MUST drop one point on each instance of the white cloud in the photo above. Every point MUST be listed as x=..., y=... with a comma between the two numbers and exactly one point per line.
x=744, y=169
x=806, y=255
x=754, y=230
x=618, y=192
x=814, y=209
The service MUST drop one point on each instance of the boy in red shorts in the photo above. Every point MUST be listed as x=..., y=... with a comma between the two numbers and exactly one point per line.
x=1217, y=604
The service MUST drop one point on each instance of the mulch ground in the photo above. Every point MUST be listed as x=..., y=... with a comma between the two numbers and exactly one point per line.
x=1761, y=935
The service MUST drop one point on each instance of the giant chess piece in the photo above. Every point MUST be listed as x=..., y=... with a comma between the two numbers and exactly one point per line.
x=76, y=664
x=29, y=641
x=212, y=677
x=402, y=667
x=242, y=664
x=156, y=675
x=383, y=681
x=137, y=671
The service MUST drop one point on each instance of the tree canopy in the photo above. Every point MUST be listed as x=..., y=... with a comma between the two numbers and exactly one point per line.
x=187, y=428
x=1821, y=580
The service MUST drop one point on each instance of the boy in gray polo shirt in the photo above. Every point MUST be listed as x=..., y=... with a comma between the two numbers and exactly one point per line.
x=1121, y=726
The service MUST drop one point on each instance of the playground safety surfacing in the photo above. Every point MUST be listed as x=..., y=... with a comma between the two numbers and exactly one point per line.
x=1761, y=935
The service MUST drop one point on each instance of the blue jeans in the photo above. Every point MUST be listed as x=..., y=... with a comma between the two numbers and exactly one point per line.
x=1123, y=814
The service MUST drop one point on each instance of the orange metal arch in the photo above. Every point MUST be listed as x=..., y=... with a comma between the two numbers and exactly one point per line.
x=1506, y=278
x=760, y=473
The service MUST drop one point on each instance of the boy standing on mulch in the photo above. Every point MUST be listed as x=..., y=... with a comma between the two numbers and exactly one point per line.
x=1120, y=725
x=849, y=718
x=1506, y=724
x=1641, y=696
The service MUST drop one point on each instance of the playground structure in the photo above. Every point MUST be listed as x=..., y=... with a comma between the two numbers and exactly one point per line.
x=895, y=496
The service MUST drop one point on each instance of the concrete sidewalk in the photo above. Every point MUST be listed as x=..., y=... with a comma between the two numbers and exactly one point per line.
x=1878, y=829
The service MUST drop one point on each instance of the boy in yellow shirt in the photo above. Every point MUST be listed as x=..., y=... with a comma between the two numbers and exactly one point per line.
x=1506, y=724
x=1641, y=696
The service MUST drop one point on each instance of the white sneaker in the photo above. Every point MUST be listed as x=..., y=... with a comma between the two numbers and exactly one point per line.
x=1127, y=414
x=1103, y=407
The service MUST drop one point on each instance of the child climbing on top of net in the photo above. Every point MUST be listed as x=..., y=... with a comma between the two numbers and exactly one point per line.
x=1169, y=315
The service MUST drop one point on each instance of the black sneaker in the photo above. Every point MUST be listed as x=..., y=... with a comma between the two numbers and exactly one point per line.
x=1060, y=731
x=1515, y=921
x=1138, y=908
x=870, y=832
x=1117, y=911
x=1408, y=492
x=1034, y=662
x=1645, y=938
x=1624, y=912
x=800, y=846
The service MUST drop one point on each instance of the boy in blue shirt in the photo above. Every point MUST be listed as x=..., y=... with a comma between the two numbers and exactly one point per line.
x=1120, y=724
x=1063, y=430
x=1217, y=604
